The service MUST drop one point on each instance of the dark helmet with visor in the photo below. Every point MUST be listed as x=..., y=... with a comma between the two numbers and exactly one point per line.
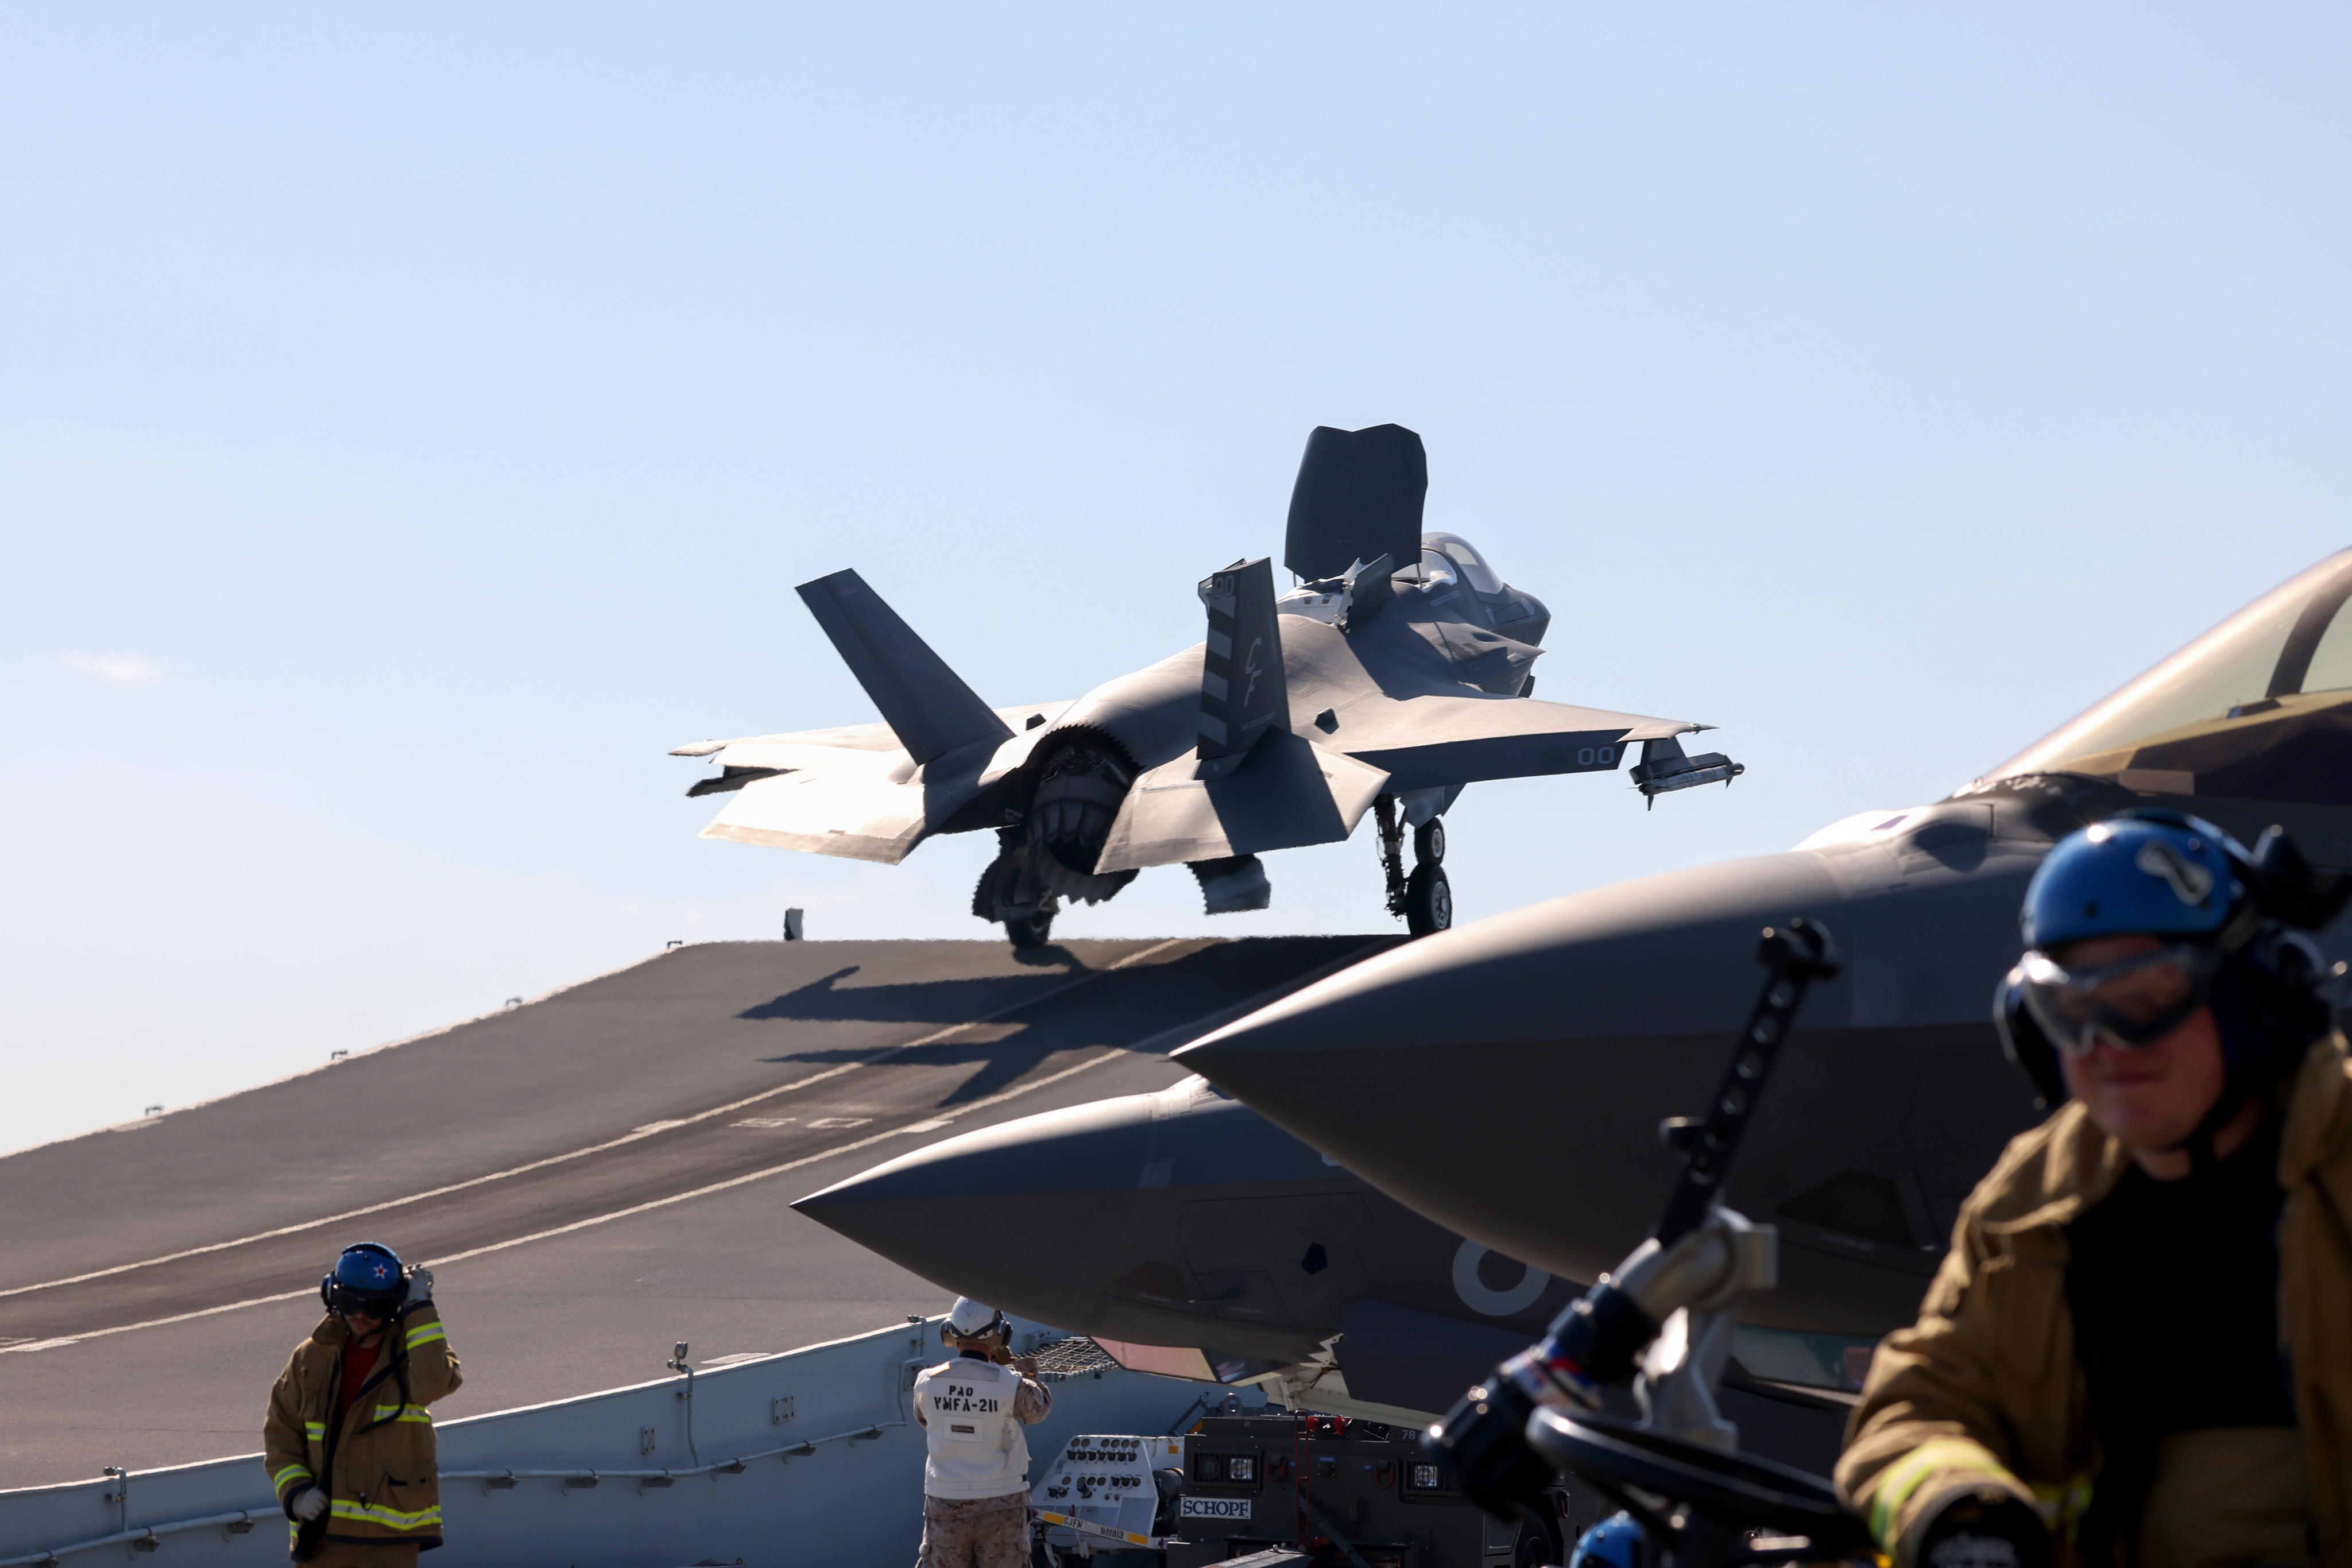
x=2225, y=922
x=368, y=1278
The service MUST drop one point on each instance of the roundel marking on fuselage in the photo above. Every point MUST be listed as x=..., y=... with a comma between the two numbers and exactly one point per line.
x=1481, y=1297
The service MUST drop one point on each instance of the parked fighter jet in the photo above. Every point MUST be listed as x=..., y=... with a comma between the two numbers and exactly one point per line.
x=1193, y=1237
x=1394, y=673
x=1506, y=1080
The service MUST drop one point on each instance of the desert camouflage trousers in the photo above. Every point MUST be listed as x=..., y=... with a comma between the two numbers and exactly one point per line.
x=975, y=1532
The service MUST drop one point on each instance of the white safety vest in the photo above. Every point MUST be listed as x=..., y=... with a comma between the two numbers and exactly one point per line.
x=977, y=1447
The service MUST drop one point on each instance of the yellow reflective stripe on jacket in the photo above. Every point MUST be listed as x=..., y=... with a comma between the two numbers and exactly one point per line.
x=406, y=1413
x=290, y=1473
x=422, y=1518
x=424, y=1334
x=1905, y=1476
x=315, y=1430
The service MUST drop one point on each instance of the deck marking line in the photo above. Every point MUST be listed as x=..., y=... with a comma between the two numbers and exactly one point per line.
x=997, y=1099
x=650, y=1130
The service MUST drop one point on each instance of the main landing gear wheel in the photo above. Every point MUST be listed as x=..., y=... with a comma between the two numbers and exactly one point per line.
x=1429, y=843
x=1428, y=899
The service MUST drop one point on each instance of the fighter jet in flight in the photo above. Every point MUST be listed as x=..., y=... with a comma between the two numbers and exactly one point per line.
x=1395, y=672
x=1507, y=1080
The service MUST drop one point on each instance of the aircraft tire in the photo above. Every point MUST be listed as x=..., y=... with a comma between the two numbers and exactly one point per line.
x=1031, y=931
x=1429, y=843
x=1428, y=900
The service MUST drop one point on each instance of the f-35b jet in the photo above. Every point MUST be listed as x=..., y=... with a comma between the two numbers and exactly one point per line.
x=1395, y=672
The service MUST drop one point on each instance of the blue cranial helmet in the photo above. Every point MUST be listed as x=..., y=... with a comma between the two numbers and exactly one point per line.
x=2228, y=926
x=368, y=1278
x=2169, y=876
x=1614, y=1543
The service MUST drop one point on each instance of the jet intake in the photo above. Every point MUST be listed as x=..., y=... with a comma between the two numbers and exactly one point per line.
x=1364, y=588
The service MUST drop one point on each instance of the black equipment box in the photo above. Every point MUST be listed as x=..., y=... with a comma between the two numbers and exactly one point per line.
x=1354, y=1494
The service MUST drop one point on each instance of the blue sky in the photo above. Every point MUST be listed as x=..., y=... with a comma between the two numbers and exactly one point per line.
x=414, y=420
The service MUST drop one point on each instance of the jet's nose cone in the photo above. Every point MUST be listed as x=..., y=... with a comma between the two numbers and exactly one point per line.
x=965, y=1213
x=1092, y=1218
x=1506, y=1079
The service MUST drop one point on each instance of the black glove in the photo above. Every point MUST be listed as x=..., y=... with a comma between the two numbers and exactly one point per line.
x=1980, y=1527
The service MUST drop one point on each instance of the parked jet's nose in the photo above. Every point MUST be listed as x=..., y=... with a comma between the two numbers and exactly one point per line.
x=1507, y=1078
x=1076, y=1217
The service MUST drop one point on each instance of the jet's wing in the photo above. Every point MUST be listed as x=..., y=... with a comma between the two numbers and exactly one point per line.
x=1286, y=791
x=853, y=791
x=1377, y=694
x=1434, y=740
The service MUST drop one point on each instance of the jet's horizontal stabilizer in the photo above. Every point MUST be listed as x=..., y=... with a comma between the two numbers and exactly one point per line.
x=926, y=703
x=1243, y=692
x=1358, y=497
x=1286, y=791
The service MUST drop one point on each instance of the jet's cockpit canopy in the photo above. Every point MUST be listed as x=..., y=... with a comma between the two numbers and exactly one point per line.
x=1448, y=558
x=2259, y=708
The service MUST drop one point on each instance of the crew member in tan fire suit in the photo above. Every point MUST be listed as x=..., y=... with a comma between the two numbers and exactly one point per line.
x=2138, y=1350
x=975, y=1480
x=348, y=1440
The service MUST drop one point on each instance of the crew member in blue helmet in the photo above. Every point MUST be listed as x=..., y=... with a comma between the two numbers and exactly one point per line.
x=2139, y=1351
x=348, y=1439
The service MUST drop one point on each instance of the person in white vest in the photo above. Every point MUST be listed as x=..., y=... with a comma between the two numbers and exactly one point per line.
x=976, y=1478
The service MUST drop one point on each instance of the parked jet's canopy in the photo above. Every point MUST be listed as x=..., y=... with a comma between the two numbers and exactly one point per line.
x=1359, y=498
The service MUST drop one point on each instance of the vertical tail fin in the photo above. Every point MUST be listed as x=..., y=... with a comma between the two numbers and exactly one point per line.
x=1242, y=693
x=926, y=705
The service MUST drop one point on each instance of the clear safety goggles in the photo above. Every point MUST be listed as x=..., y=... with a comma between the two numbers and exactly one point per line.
x=2131, y=1002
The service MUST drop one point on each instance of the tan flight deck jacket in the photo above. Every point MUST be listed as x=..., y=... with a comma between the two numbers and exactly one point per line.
x=385, y=1483
x=1985, y=1387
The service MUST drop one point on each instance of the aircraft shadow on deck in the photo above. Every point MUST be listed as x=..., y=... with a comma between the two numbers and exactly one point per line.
x=827, y=1000
x=1126, y=1009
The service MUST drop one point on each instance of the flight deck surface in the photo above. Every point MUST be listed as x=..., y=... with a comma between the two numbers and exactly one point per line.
x=593, y=1176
